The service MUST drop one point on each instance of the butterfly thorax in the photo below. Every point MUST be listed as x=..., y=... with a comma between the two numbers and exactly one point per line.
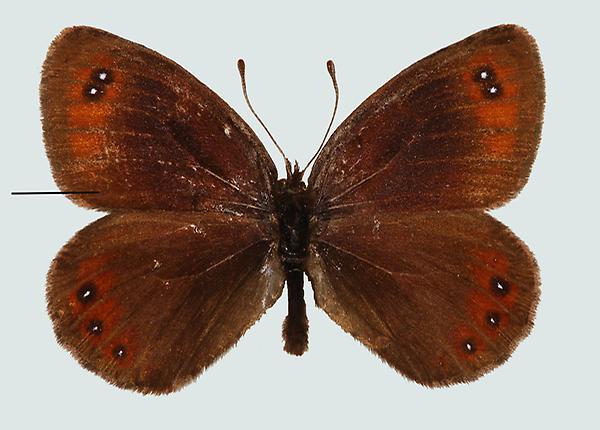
x=292, y=201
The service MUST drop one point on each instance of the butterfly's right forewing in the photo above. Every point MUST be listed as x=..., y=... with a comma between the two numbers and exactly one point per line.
x=135, y=126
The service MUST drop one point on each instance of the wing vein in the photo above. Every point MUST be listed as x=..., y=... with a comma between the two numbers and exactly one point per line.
x=370, y=263
x=372, y=175
x=216, y=315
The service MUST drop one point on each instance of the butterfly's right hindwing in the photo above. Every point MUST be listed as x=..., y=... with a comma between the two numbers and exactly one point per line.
x=148, y=300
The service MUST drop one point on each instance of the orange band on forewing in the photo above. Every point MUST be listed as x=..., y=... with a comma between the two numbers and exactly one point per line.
x=87, y=144
x=82, y=75
x=497, y=114
x=89, y=115
x=471, y=89
x=85, y=112
x=499, y=144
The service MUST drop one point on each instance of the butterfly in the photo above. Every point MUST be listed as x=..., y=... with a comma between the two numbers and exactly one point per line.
x=201, y=236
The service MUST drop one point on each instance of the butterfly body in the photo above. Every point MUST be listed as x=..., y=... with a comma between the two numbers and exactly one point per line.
x=293, y=202
x=200, y=236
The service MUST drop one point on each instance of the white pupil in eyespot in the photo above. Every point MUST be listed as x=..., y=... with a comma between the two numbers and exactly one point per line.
x=484, y=75
x=93, y=91
x=102, y=76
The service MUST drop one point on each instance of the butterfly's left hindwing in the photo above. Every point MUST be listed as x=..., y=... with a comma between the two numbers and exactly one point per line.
x=133, y=125
x=148, y=300
x=443, y=297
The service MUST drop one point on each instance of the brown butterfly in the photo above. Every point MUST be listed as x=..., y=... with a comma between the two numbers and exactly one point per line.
x=201, y=235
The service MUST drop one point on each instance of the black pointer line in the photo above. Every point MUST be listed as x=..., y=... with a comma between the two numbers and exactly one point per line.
x=33, y=193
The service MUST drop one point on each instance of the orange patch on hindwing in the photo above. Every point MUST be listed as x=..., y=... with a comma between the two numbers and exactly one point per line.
x=121, y=349
x=487, y=314
x=92, y=282
x=102, y=315
x=490, y=269
x=100, y=321
x=468, y=344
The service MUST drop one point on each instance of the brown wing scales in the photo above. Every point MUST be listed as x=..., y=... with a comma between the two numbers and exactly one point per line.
x=160, y=296
x=401, y=254
x=456, y=130
x=127, y=122
x=442, y=297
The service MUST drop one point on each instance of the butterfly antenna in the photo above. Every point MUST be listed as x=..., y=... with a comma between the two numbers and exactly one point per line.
x=331, y=70
x=242, y=69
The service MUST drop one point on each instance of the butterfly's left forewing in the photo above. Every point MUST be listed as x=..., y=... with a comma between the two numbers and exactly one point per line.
x=148, y=300
x=456, y=130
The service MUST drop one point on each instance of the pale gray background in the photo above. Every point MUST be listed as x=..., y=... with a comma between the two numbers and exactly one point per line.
x=550, y=380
